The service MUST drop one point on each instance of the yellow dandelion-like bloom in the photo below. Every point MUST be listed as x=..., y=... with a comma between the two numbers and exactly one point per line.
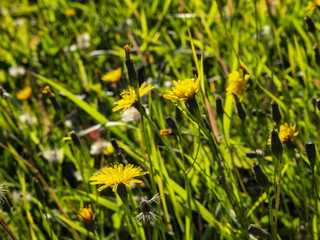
x=117, y=174
x=24, y=93
x=286, y=133
x=129, y=97
x=165, y=132
x=112, y=76
x=86, y=214
x=312, y=5
x=70, y=12
x=183, y=90
x=238, y=83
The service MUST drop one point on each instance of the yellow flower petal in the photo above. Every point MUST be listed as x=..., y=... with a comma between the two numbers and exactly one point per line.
x=117, y=174
x=112, y=76
x=25, y=93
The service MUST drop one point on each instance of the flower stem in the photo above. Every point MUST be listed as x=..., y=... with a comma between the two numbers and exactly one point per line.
x=273, y=230
x=279, y=169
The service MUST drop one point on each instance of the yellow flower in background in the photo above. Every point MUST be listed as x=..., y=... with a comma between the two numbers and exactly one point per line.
x=117, y=174
x=238, y=83
x=24, y=93
x=108, y=150
x=86, y=214
x=312, y=5
x=129, y=97
x=286, y=133
x=112, y=76
x=165, y=132
x=70, y=12
x=46, y=90
x=183, y=90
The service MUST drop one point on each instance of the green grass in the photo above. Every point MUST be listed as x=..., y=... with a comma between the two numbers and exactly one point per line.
x=202, y=171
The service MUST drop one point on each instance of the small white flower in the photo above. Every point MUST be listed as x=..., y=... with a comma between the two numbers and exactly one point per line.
x=17, y=196
x=83, y=41
x=28, y=119
x=53, y=155
x=69, y=123
x=17, y=71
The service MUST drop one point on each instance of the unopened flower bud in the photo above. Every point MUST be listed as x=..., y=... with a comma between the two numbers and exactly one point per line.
x=75, y=138
x=261, y=176
x=258, y=231
x=194, y=71
x=251, y=154
x=314, y=101
x=310, y=24
x=172, y=125
x=115, y=145
x=316, y=53
x=241, y=113
x=133, y=77
x=141, y=72
x=219, y=107
x=276, y=145
x=311, y=152
x=276, y=115
x=318, y=104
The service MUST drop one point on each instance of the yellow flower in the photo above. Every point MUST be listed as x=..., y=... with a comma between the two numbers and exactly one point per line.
x=70, y=12
x=112, y=76
x=286, y=133
x=109, y=150
x=117, y=174
x=165, y=132
x=312, y=5
x=183, y=90
x=129, y=97
x=86, y=214
x=24, y=93
x=237, y=83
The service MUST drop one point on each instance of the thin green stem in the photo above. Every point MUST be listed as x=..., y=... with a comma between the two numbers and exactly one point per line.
x=273, y=230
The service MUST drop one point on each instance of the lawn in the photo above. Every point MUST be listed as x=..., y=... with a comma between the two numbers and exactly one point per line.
x=157, y=119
